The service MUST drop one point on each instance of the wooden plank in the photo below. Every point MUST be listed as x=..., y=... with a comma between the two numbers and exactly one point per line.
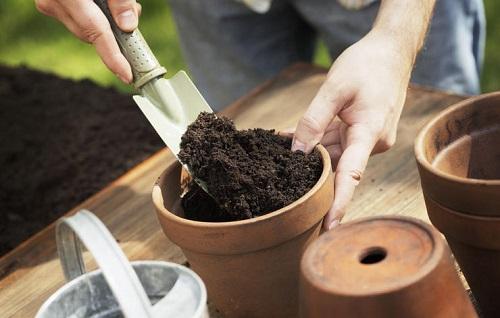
x=31, y=272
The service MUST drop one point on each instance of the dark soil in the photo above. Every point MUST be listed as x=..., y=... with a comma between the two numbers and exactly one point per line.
x=61, y=142
x=248, y=173
x=474, y=303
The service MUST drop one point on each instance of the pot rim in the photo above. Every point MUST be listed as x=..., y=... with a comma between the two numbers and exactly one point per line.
x=159, y=203
x=419, y=143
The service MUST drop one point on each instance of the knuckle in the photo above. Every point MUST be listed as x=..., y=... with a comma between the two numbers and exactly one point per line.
x=90, y=29
x=356, y=175
x=91, y=34
x=340, y=215
x=44, y=6
x=310, y=124
x=121, y=5
x=387, y=142
x=351, y=176
x=387, y=145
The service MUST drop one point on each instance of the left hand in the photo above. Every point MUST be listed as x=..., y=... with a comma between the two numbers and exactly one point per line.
x=366, y=89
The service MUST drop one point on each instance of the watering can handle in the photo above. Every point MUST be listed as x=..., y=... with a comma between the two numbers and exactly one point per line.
x=144, y=64
x=86, y=228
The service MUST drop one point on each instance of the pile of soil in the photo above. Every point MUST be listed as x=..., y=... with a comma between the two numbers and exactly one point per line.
x=62, y=141
x=248, y=173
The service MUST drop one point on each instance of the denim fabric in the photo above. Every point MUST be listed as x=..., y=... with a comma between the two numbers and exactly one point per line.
x=230, y=49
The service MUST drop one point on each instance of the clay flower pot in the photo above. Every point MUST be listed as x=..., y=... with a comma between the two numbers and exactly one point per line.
x=250, y=267
x=381, y=267
x=475, y=242
x=458, y=157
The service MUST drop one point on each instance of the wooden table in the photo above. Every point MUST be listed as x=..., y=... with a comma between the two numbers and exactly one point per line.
x=31, y=272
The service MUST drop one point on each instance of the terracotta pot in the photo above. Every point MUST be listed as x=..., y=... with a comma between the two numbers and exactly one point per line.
x=458, y=156
x=250, y=267
x=475, y=242
x=381, y=267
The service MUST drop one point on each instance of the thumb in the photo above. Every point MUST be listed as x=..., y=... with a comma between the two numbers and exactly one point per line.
x=125, y=13
x=324, y=107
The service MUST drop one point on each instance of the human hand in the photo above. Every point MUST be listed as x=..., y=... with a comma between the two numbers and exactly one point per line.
x=356, y=111
x=86, y=20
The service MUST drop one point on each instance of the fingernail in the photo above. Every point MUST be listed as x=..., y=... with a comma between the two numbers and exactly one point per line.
x=298, y=145
x=333, y=224
x=127, y=20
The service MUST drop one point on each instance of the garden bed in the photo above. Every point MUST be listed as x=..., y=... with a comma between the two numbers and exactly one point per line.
x=62, y=141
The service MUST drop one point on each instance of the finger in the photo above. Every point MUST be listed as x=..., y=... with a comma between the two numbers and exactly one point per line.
x=335, y=151
x=124, y=13
x=334, y=125
x=350, y=168
x=110, y=54
x=60, y=14
x=323, y=108
x=46, y=7
x=94, y=28
x=138, y=7
x=53, y=9
x=332, y=137
x=287, y=132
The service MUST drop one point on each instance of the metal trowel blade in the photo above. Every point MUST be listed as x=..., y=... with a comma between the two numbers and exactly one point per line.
x=171, y=105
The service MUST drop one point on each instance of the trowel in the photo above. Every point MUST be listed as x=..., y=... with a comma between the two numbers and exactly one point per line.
x=171, y=104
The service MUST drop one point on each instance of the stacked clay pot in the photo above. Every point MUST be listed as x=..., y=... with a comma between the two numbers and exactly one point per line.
x=458, y=157
x=381, y=267
x=250, y=267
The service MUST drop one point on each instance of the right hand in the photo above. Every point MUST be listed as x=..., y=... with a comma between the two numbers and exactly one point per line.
x=86, y=20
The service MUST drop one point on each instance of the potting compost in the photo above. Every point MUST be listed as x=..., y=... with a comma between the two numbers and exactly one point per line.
x=247, y=172
x=62, y=141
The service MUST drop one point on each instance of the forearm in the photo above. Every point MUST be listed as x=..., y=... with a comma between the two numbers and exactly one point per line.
x=406, y=22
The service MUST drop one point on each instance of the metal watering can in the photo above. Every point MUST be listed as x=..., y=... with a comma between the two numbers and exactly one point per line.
x=140, y=289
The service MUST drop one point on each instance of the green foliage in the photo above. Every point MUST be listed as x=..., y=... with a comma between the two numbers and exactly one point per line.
x=32, y=39
x=490, y=80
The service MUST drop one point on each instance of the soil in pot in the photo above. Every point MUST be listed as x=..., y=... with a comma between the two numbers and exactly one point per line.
x=248, y=172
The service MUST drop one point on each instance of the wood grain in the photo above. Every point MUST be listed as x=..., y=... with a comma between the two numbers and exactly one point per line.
x=31, y=272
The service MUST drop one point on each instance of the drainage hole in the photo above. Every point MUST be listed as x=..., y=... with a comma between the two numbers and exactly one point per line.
x=373, y=255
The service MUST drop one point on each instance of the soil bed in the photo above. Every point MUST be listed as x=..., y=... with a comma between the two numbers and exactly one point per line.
x=248, y=173
x=62, y=141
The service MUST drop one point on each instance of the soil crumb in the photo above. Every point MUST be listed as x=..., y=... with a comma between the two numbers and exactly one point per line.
x=248, y=172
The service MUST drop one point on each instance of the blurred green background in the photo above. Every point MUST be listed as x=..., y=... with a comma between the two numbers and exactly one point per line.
x=32, y=39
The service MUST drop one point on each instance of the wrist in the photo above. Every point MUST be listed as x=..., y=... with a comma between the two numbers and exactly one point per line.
x=401, y=53
x=404, y=23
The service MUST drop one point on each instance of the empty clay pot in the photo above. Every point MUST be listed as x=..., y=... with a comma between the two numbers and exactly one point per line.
x=458, y=156
x=250, y=267
x=475, y=242
x=381, y=267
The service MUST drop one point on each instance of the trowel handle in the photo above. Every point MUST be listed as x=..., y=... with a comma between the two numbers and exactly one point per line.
x=144, y=64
